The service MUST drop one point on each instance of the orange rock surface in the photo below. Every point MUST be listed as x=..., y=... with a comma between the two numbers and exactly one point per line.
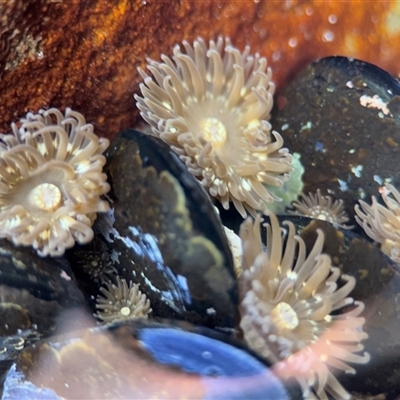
x=84, y=54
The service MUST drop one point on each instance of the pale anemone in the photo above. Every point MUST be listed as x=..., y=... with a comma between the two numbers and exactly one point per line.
x=51, y=181
x=321, y=207
x=381, y=223
x=121, y=302
x=295, y=310
x=211, y=105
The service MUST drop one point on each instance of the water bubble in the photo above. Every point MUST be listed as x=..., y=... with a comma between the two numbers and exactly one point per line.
x=293, y=42
x=328, y=36
x=332, y=19
x=276, y=55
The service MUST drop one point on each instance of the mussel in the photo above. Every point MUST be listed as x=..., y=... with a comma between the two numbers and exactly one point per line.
x=342, y=116
x=143, y=359
x=162, y=232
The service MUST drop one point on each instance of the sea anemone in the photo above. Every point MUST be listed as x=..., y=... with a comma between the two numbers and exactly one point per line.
x=321, y=207
x=211, y=105
x=381, y=223
x=295, y=312
x=121, y=302
x=51, y=181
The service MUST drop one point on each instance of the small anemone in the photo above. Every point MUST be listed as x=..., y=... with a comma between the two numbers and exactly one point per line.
x=295, y=310
x=381, y=223
x=51, y=181
x=121, y=302
x=321, y=207
x=211, y=105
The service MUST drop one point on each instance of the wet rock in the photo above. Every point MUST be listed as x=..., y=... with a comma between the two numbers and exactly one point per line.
x=342, y=116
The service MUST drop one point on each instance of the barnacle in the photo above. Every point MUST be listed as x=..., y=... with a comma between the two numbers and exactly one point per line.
x=96, y=261
x=321, y=207
x=51, y=181
x=97, y=265
x=121, y=302
x=211, y=105
x=295, y=310
x=381, y=223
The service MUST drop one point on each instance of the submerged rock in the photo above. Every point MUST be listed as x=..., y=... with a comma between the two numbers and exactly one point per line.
x=343, y=117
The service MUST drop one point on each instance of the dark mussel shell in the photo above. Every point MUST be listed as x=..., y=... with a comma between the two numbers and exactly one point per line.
x=33, y=290
x=142, y=359
x=33, y=293
x=348, y=150
x=163, y=233
x=378, y=287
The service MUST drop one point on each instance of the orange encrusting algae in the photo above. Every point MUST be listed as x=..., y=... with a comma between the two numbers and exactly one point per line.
x=62, y=54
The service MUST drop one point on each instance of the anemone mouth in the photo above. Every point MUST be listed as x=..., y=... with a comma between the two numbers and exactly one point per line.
x=41, y=192
x=51, y=181
x=45, y=196
x=295, y=308
x=284, y=317
x=211, y=104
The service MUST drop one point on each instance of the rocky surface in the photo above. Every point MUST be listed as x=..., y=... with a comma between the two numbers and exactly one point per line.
x=85, y=54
